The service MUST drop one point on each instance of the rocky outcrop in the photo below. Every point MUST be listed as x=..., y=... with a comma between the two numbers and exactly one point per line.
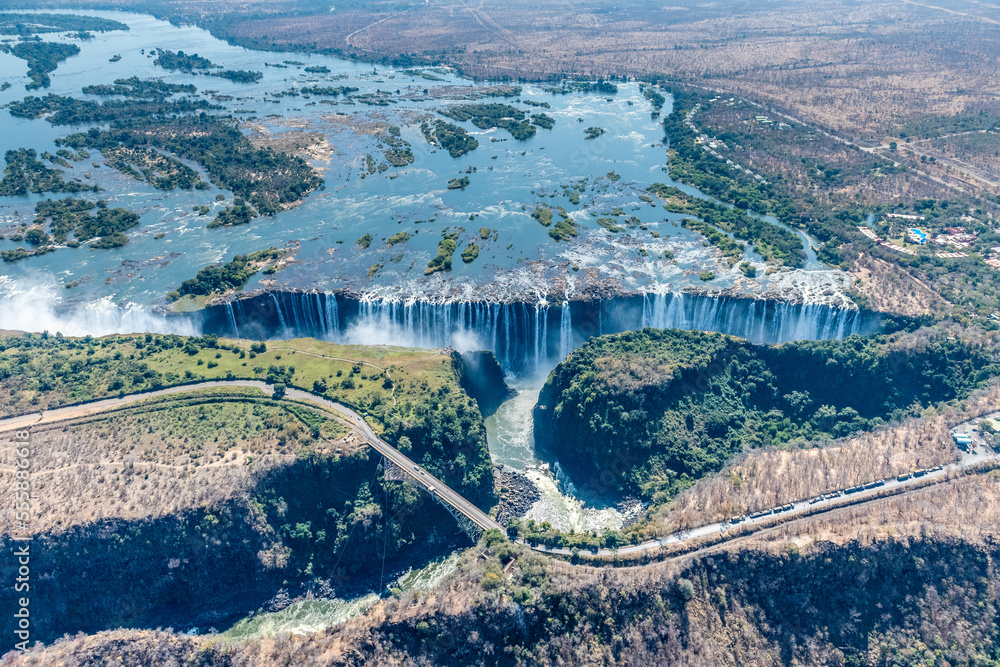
x=517, y=493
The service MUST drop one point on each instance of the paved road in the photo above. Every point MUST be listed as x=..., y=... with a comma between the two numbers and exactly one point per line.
x=827, y=502
x=85, y=409
x=979, y=454
x=421, y=477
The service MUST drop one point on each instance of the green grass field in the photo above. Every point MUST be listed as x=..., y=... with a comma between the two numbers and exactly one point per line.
x=412, y=397
x=43, y=373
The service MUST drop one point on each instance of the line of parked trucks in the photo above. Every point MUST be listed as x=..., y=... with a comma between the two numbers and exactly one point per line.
x=834, y=494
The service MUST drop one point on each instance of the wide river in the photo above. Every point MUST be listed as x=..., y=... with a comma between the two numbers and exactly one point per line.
x=81, y=291
x=507, y=180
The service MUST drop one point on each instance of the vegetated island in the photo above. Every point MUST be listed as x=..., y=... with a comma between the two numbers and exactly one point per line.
x=56, y=220
x=264, y=181
x=221, y=279
x=43, y=58
x=452, y=138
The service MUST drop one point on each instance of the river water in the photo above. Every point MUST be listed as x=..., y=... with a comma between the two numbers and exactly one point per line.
x=314, y=615
x=115, y=289
x=510, y=435
x=122, y=289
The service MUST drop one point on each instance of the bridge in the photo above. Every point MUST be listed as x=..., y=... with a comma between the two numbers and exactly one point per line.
x=396, y=465
x=399, y=467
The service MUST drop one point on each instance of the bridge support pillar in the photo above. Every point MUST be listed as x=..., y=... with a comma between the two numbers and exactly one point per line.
x=394, y=473
x=467, y=525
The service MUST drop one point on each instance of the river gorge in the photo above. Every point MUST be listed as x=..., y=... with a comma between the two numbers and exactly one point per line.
x=358, y=253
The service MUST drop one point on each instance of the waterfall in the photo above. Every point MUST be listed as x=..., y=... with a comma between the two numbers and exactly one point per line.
x=39, y=304
x=563, y=481
x=565, y=331
x=239, y=307
x=518, y=333
x=538, y=338
x=281, y=316
x=232, y=319
x=321, y=315
x=332, y=317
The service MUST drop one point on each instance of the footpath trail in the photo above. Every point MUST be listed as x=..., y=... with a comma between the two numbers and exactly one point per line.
x=730, y=531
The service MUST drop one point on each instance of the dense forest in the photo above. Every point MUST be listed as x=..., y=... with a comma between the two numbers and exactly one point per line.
x=489, y=116
x=398, y=151
x=133, y=86
x=220, y=278
x=181, y=61
x=25, y=24
x=43, y=59
x=327, y=91
x=651, y=411
x=145, y=123
x=689, y=163
x=240, y=75
x=74, y=216
x=104, y=229
x=265, y=179
x=771, y=242
x=61, y=110
x=24, y=173
x=452, y=138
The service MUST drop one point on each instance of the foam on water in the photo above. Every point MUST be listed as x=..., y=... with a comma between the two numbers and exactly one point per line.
x=528, y=336
x=308, y=616
x=510, y=434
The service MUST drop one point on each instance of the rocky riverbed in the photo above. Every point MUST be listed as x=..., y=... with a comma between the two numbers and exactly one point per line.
x=517, y=493
x=632, y=511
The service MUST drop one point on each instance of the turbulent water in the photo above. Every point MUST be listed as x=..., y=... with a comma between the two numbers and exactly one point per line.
x=315, y=615
x=511, y=440
x=37, y=306
x=518, y=263
x=527, y=297
x=526, y=338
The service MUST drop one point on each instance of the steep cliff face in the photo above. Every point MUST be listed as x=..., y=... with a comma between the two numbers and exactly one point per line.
x=891, y=603
x=321, y=524
x=189, y=509
x=651, y=411
x=483, y=379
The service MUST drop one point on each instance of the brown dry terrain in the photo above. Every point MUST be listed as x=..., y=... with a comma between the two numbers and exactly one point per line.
x=157, y=457
x=890, y=288
x=763, y=479
x=967, y=509
x=914, y=578
x=861, y=68
x=312, y=146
